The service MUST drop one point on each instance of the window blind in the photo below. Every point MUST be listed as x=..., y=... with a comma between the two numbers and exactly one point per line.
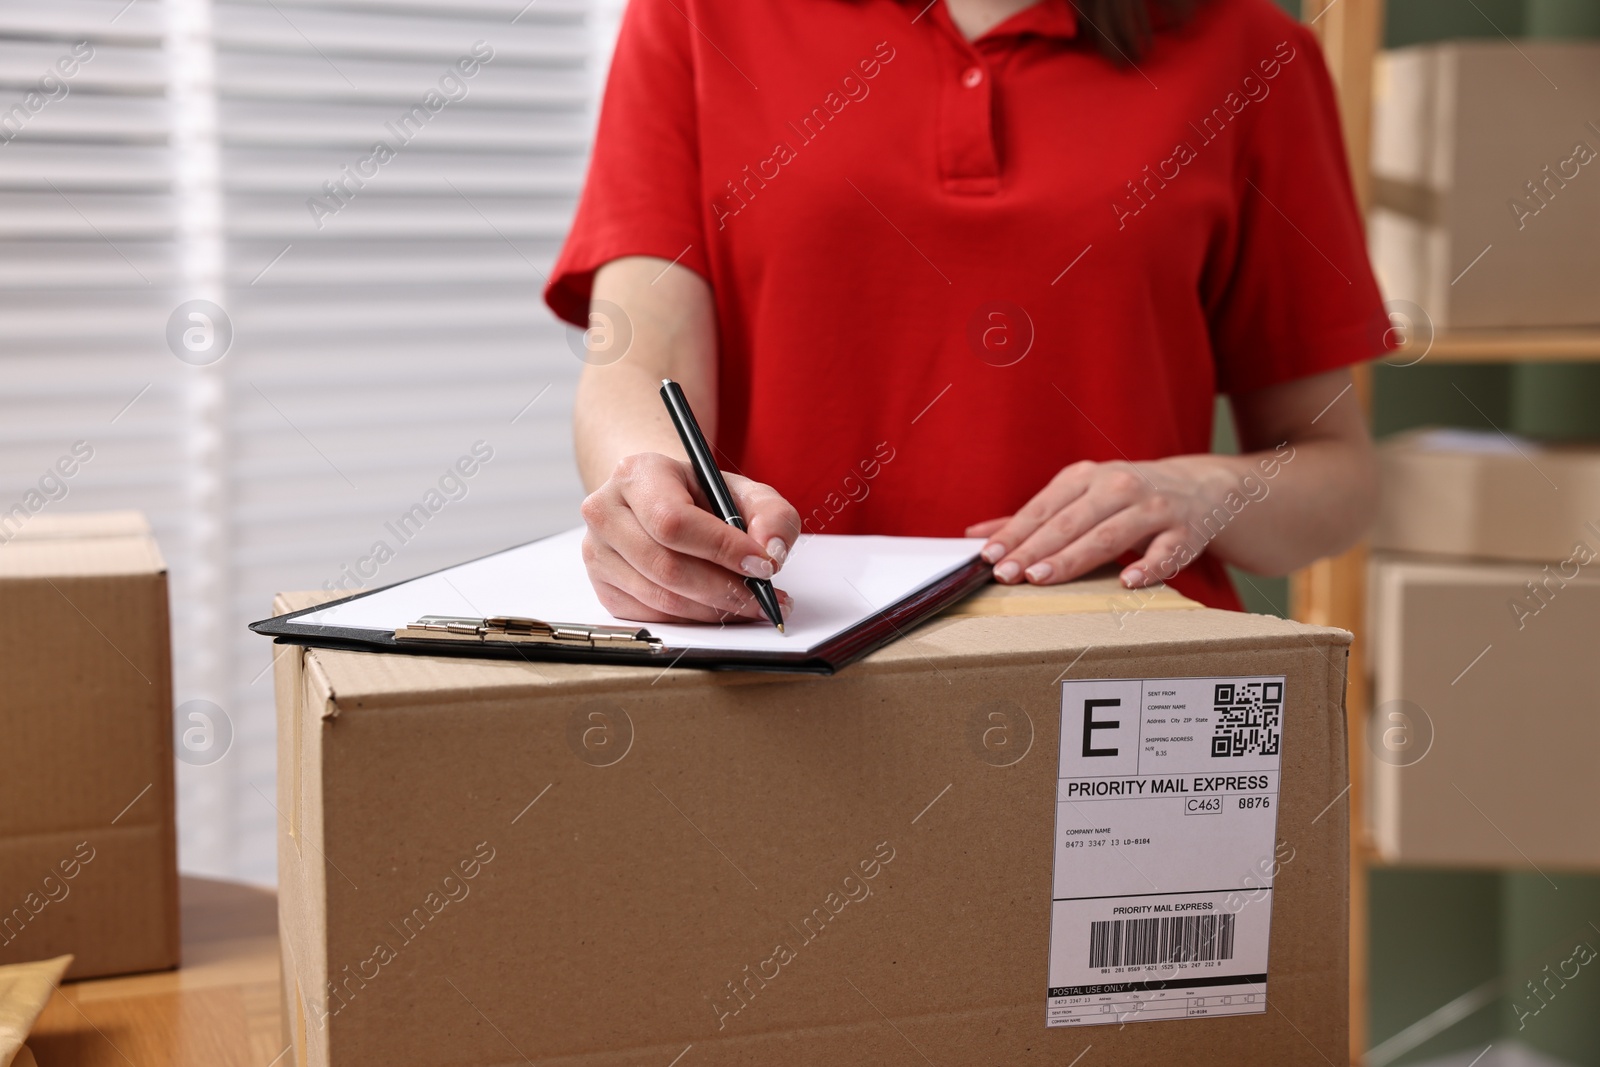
x=387, y=336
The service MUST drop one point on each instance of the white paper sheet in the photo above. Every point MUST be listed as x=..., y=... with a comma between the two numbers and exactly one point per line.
x=837, y=581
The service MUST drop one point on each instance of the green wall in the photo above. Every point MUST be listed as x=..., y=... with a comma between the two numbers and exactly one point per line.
x=1435, y=935
x=1540, y=927
x=1475, y=940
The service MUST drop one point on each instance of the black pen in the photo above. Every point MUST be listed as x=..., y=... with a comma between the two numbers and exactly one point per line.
x=715, y=489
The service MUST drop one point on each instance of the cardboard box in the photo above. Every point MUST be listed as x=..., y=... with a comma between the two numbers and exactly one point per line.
x=88, y=851
x=1477, y=153
x=1484, y=727
x=1460, y=493
x=499, y=862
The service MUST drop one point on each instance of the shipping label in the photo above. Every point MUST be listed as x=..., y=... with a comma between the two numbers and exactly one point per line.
x=1166, y=820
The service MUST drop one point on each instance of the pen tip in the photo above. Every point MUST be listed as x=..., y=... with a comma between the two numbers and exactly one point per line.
x=780, y=627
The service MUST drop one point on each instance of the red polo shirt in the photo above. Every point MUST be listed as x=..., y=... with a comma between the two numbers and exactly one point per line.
x=946, y=269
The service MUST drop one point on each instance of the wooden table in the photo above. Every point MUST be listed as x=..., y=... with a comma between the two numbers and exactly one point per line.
x=220, y=1009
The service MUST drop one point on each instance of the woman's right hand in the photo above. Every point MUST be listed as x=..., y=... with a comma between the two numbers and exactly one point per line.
x=655, y=554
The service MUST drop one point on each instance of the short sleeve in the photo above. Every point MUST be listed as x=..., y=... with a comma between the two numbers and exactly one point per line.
x=642, y=193
x=1297, y=296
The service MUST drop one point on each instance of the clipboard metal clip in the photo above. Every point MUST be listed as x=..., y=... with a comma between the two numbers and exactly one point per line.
x=511, y=630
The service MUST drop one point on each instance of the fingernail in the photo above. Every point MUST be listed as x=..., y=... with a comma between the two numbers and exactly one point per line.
x=1133, y=577
x=778, y=550
x=993, y=551
x=756, y=567
x=1008, y=571
x=1040, y=572
x=786, y=602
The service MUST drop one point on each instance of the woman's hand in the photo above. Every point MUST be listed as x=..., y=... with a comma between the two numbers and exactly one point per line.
x=652, y=550
x=655, y=554
x=1091, y=513
x=1310, y=454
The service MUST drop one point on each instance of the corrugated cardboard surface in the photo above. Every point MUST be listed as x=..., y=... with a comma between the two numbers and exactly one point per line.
x=76, y=526
x=622, y=897
x=80, y=546
x=1509, y=780
x=1532, y=505
x=1460, y=130
x=1104, y=594
x=88, y=860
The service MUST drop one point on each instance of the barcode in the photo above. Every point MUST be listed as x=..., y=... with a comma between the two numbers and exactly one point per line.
x=1248, y=715
x=1162, y=939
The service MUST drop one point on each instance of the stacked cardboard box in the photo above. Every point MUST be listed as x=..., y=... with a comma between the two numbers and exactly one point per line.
x=1487, y=186
x=1484, y=495
x=87, y=845
x=503, y=862
x=1485, y=600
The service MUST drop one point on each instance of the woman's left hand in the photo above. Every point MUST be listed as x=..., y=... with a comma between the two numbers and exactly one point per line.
x=1322, y=478
x=1091, y=513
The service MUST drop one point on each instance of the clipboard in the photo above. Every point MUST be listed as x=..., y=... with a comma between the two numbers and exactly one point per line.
x=852, y=594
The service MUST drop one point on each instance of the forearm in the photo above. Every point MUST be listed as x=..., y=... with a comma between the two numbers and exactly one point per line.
x=618, y=411
x=1276, y=510
x=617, y=414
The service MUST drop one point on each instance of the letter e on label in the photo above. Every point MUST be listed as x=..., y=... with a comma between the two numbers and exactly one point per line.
x=1100, y=727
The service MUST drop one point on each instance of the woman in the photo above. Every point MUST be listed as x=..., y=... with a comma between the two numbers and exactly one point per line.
x=976, y=267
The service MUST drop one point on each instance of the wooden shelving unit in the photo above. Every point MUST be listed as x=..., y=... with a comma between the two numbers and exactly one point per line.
x=1503, y=346
x=1332, y=592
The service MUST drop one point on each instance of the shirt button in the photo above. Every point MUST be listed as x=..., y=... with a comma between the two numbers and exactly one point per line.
x=972, y=78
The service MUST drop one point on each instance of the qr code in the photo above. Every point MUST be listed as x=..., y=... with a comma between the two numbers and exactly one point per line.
x=1249, y=716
